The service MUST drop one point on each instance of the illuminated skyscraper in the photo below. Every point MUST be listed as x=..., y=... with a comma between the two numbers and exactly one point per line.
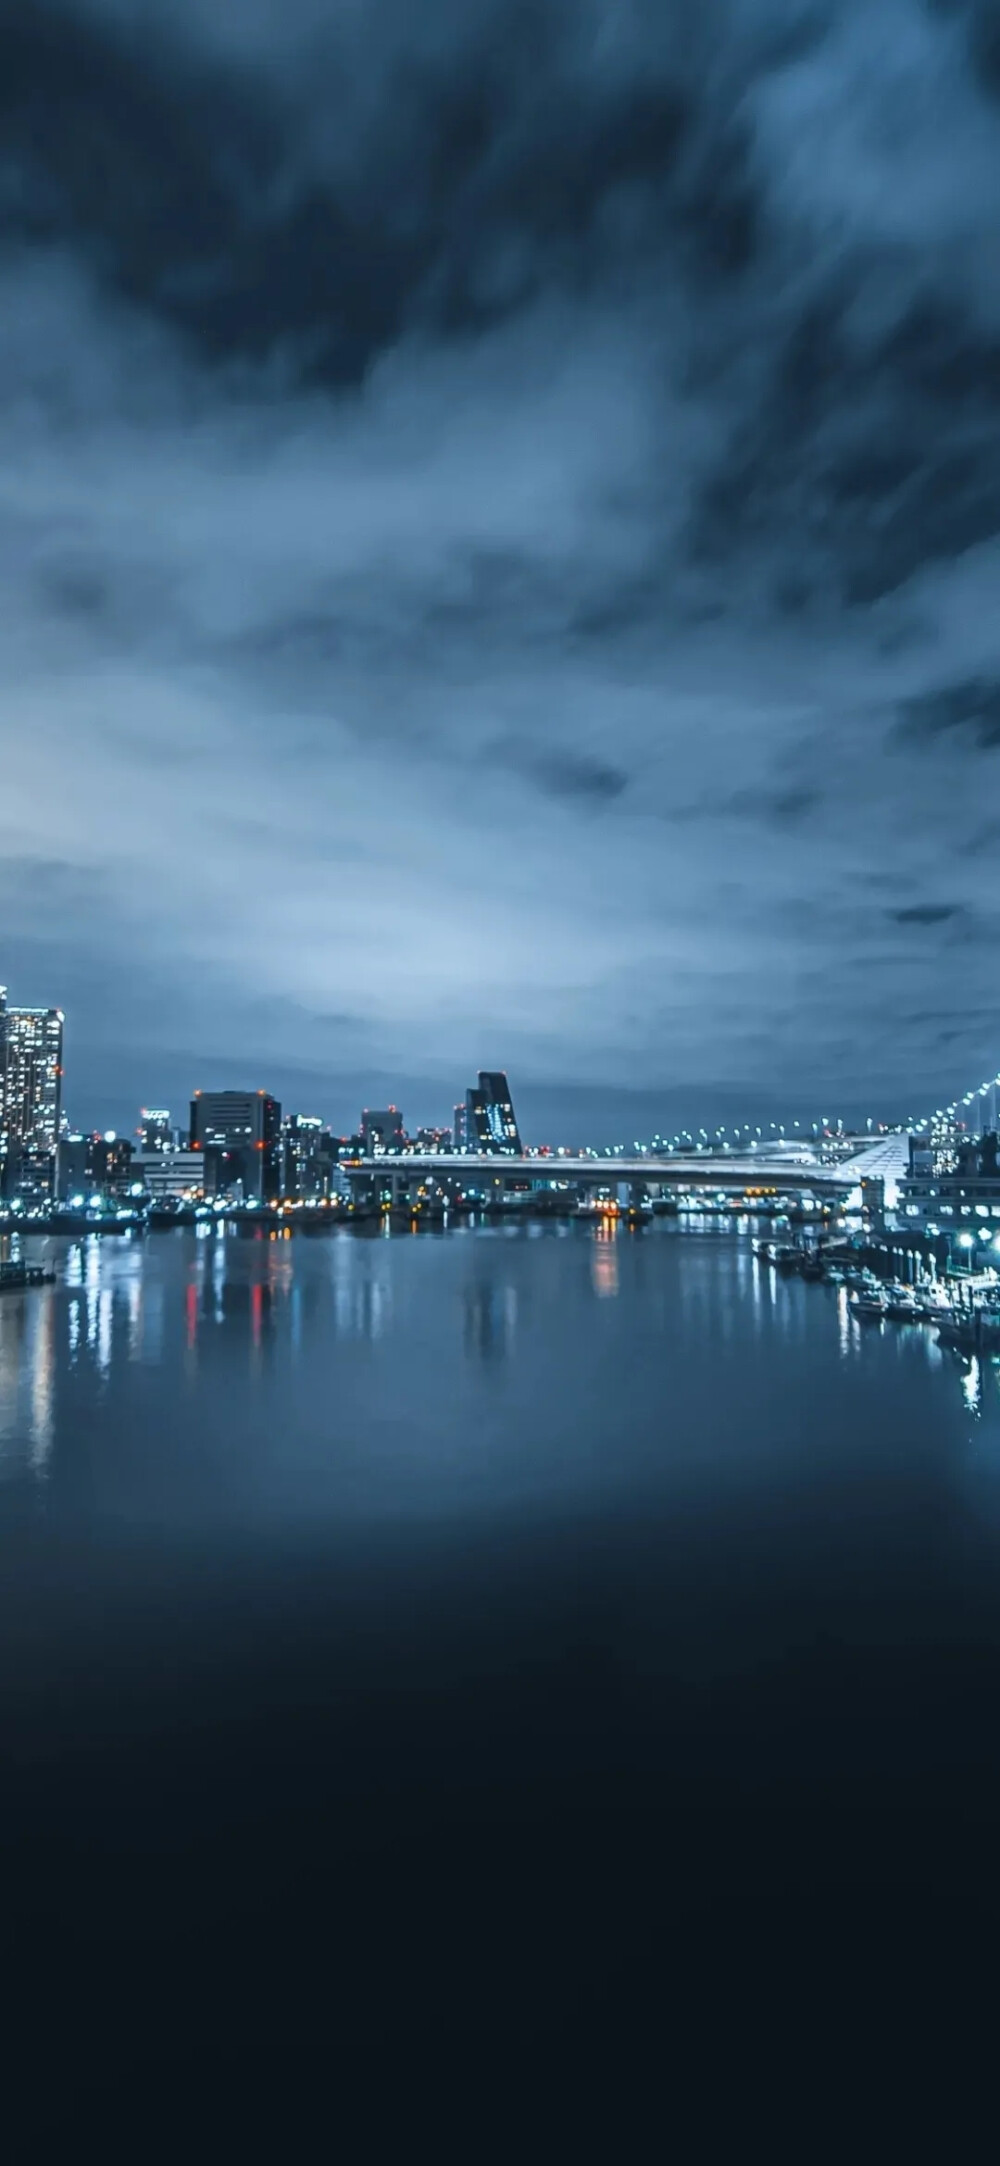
x=155, y=1130
x=490, y=1125
x=306, y=1157
x=31, y=1054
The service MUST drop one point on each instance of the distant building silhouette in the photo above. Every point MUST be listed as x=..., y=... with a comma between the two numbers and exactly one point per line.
x=240, y=1135
x=382, y=1131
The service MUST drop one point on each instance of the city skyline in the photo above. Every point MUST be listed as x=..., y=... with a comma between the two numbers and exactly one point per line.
x=551, y=626
x=471, y=1115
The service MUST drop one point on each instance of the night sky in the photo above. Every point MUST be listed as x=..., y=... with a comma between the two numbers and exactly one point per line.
x=500, y=510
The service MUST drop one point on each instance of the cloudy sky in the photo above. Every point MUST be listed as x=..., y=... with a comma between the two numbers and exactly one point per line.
x=500, y=528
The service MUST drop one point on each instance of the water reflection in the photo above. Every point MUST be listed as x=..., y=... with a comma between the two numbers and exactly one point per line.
x=604, y=1273
x=490, y=1319
x=225, y=1318
x=844, y=1323
x=972, y=1387
x=43, y=1369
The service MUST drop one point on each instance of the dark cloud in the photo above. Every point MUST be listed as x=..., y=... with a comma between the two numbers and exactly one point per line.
x=783, y=807
x=274, y=210
x=569, y=775
x=925, y=913
x=576, y=777
x=968, y=711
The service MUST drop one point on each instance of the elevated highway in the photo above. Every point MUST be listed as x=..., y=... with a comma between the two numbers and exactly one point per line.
x=723, y=1174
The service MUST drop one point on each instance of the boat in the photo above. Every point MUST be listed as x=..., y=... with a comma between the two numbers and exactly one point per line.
x=902, y=1305
x=868, y=1302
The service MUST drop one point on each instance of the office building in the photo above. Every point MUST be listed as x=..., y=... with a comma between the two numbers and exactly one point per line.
x=31, y=1058
x=382, y=1132
x=155, y=1132
x=946, y=1136
x=490, y=1125
x=306, y=1157
x=31, y=1053
x=240, y=1135
x=458, y=1127
x=175, y=1174
x=72, y=1166
x=109, y=1163
x=966, y=1199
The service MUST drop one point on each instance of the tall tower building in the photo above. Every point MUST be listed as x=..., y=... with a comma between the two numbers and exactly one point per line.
x=490, y=1123
x=31, y=1066
x=31, y=1061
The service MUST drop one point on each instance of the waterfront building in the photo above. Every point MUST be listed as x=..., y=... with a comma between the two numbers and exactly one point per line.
x=382, y=1132
x=31, y=1054
x=175, y=1174
x=72, y=1165
x=155, y=1132
x=431, y=1140
x=458, y=1127
x=109, y=1163
x=946, y=1136
x=240, y=1135
x=964, y=1199
x=31, y=1067
x=306, y=1157
x=490, y=1124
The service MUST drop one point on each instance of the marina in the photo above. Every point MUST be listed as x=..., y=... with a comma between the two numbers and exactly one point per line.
x=963, y=1307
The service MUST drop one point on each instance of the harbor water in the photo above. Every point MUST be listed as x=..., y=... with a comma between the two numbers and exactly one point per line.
x=496, y=1606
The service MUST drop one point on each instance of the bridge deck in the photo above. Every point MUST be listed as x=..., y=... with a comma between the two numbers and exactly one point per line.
x=725, y=1173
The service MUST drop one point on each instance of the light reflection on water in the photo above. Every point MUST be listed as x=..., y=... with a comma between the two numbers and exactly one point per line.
x=570, y=1348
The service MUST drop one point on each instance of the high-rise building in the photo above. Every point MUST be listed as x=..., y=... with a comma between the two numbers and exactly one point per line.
x=31, y=1066
x=382, y=1131
x=110, y=1162
x=306, y=1159
x=155, y=1131
x=490, y=1125
x=31, y=1053
x=458, y=1126
x=946, y=1137
x=240, y=1134
x=969, y=1192
x=72, y=1166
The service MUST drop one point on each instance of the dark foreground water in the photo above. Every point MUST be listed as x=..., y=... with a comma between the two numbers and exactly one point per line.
x=506, y=1629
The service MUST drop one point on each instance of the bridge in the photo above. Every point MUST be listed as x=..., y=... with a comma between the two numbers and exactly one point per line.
x=720, y=1173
